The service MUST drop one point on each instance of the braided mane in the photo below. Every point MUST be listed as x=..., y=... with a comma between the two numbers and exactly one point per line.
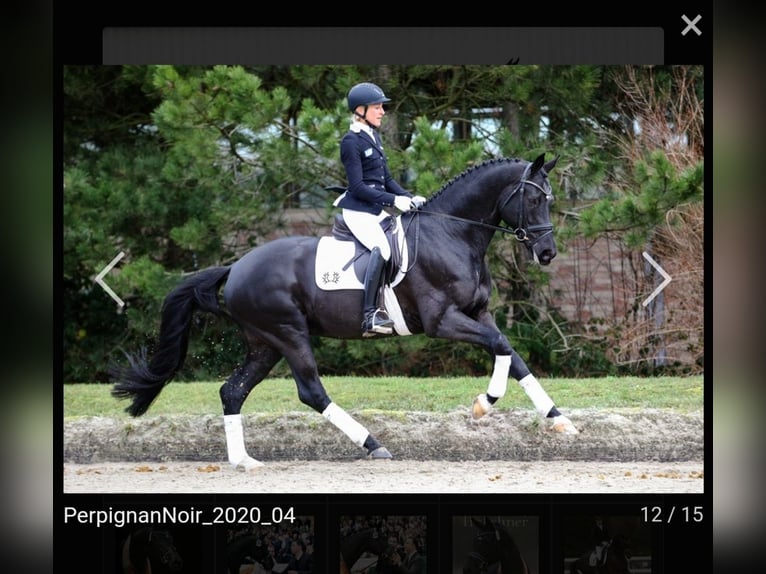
x=471, y=170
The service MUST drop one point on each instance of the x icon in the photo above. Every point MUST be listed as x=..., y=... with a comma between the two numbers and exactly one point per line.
x=691, y=25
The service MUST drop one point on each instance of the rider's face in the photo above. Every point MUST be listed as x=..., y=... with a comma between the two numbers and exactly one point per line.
x=374, y=115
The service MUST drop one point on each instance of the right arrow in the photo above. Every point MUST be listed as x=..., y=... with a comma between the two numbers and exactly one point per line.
x=662, y=285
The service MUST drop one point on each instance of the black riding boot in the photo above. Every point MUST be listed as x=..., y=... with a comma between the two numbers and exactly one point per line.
x=375, y=320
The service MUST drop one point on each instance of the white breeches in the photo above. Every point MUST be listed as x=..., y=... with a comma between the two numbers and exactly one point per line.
x=366, y=228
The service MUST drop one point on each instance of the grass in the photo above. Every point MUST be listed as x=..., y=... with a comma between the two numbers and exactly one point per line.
x=684, y=394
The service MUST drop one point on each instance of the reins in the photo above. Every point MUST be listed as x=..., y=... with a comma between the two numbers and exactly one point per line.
x=464, y=220
x=520, y=232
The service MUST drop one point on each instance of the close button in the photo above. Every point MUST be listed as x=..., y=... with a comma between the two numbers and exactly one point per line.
x=691, y=25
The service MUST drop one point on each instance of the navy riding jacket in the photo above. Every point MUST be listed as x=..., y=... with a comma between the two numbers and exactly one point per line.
x=371, y=187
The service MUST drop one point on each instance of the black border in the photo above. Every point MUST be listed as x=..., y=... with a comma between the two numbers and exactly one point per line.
x=681, y=546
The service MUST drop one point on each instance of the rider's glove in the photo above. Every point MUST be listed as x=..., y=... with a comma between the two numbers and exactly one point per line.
x=403, y=203
x=418, y=200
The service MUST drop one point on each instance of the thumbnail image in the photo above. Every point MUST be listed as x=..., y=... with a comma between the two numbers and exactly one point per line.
x=383, y=545
x=603, y=544
x=274, y=548
x=495, y=544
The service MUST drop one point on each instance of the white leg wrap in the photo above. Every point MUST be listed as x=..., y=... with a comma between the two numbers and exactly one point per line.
x=235, y=443
x=499, y=381
x=543, y=403
x=346, y=423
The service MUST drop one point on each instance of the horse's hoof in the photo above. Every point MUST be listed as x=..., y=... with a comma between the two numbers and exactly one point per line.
x=380, y=453
x=563, y=425
x=248, y=464
x=481, y=406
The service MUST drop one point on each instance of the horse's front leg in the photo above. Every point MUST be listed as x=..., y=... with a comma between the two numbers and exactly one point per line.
x=483, y=332
x=515, y=366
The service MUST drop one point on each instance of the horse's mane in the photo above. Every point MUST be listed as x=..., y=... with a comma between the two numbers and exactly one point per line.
x=471, y=170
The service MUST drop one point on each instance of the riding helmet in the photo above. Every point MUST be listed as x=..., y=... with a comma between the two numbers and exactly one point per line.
x=365, y=94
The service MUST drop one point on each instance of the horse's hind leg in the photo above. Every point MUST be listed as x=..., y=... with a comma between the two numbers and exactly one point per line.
x=311, y=392
x=260, y=359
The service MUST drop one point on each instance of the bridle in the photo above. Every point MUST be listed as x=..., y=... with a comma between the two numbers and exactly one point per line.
x=520, y=232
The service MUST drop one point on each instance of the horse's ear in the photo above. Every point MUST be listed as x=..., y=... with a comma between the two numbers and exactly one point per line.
x=551, y=164
x=537, y=164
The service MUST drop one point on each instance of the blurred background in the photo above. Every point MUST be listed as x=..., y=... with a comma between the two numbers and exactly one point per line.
x=26, y=152
x=738, y=392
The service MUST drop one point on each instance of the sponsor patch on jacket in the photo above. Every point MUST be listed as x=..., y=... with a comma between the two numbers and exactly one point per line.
x=368, y=152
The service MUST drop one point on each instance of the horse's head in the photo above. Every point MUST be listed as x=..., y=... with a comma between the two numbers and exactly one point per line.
x=527, y=210
x=149, y=551
x=487, y=545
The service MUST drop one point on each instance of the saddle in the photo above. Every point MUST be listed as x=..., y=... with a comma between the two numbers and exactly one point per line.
x=361, y=255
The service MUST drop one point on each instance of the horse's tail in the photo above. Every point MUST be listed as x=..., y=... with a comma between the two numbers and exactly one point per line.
x=143, y=380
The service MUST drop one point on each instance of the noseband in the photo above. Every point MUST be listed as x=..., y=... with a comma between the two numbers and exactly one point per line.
x=520, y=232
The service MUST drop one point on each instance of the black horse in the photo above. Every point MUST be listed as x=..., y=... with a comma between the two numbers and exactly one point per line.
x=442, y=288
x=150, y=551
x=615, y=559
x=353, y=546
x=494, y=551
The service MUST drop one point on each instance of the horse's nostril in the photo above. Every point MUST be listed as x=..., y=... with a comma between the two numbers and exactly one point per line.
x=547, y=256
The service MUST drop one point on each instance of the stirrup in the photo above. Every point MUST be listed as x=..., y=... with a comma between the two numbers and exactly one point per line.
x=377, y=322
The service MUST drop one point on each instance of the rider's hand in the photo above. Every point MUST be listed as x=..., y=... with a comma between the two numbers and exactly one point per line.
x=403, y=203
x=418, y=200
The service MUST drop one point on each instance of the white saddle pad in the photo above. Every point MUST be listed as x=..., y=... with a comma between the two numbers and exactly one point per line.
x=332, y=256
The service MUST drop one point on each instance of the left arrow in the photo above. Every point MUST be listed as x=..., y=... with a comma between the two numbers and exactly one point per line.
x=104, y=286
